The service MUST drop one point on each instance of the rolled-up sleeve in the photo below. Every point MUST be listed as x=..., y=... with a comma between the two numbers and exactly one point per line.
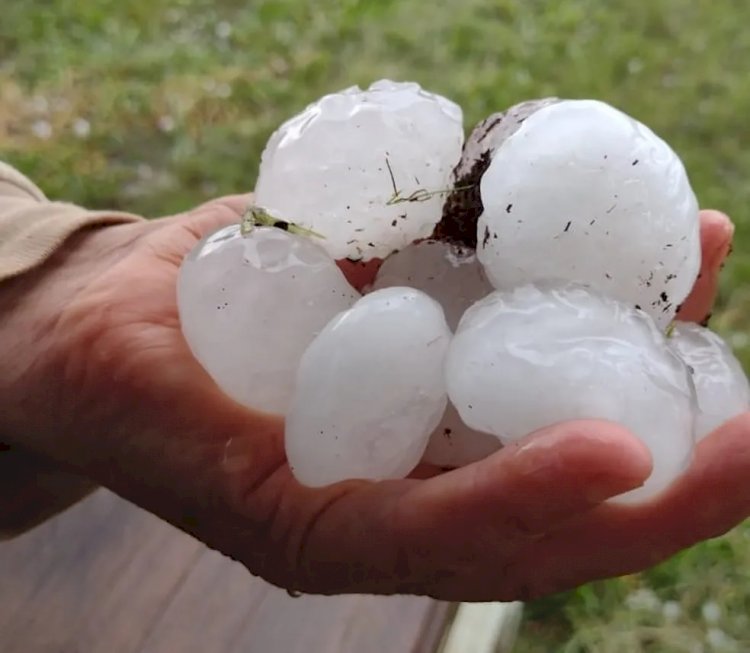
x=33, y=227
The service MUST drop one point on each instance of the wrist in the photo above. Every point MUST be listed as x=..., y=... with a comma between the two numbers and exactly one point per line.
x=31, y=306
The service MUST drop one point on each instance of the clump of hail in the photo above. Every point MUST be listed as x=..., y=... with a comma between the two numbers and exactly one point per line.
x=527, y=276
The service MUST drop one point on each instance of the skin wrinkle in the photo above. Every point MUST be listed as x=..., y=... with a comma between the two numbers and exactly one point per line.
x=66, y=268
x=436, y=566
x=301, y=562
x=380, y=544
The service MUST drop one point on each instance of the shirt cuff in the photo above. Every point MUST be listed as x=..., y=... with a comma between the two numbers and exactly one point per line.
x=33, y=228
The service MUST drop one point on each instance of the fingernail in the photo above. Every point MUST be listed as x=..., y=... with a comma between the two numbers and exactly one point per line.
x=723, y=249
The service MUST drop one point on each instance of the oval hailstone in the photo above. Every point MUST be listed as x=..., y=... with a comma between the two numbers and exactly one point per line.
x=250, y=305
x=535, y=356
x=369, y=170
x=369, y=390
x=720, y=382
x=584, y=193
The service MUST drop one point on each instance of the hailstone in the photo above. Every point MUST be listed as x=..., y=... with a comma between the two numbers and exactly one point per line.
x=720, y=382
x=451, y=275
x=463, y=205
x=366, y=169
x=453, y=444
x=250, y=305
x=584, y=193
x=448, y=273
x=369, y=390
x=542, y=354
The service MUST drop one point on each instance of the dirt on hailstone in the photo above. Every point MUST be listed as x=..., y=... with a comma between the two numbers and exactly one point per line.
x=463, y=205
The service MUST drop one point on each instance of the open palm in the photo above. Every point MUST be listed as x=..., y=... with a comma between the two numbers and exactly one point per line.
x=112, y=392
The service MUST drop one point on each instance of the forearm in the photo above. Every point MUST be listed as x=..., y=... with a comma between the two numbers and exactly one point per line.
x=32, y=230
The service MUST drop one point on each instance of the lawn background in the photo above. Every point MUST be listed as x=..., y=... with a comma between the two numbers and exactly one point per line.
x=153, y=106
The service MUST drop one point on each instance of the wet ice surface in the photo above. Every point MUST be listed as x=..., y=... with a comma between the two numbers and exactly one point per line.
x=582, y=192
x=369, y=390
x=575, y=190
x=720, y=382
x=364, y=168
x=451, y=275
x=250, y=305
x=535, y=356
x=453, y=444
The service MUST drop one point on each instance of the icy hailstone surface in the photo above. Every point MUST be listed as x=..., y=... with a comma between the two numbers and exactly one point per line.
x=453, y=444
x=344, y=166
x=450, y=274
x=370, y=390
x=536, y=356
x=250, y=306
x=582, y=192
x=454, y=277
x=720, y=381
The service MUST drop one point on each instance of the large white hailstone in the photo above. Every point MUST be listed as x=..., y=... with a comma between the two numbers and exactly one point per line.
x=453, y=444
x=720, y=382
x=582, y=192
x=538, y=355
x=449, y=273
x=370, y=390
x=250, y=305
x=367, y=169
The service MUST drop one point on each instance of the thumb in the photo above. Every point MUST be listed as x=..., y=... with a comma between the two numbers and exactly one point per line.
x=425, y=536
x=716, y=241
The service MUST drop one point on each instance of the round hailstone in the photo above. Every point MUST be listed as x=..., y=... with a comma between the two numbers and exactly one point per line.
x=463, y=206
x=540, y=355
x=453, y=444
x=582, y=192
x=368, y=170
x=448, y=273
x=370, y=390
x=250, y=305
x=720, y=382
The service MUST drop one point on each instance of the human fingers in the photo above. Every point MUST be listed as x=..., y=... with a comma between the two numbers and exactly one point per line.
x=712, y=497
x=716, y=241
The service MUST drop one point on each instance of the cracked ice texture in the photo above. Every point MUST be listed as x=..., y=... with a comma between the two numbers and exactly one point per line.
x=720, y=381
x=333, y=167
x=536, y=356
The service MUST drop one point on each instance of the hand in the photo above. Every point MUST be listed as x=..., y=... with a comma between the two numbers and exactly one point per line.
x=100, y=379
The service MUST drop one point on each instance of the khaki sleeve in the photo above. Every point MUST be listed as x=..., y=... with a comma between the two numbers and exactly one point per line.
x=32, y=227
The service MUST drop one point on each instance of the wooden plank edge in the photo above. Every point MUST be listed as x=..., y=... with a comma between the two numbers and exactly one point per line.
x=433, y=632
x=483, y=628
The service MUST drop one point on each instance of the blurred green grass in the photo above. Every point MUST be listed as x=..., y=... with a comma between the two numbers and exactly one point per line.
x=153, y=106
